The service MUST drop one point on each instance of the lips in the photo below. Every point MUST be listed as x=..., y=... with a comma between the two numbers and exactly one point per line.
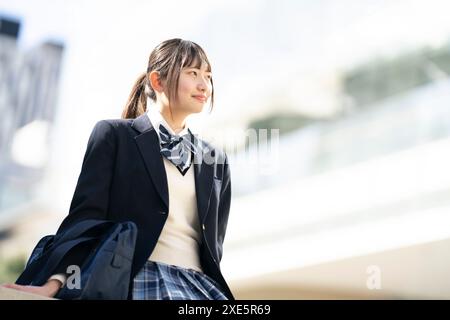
x=200, y=98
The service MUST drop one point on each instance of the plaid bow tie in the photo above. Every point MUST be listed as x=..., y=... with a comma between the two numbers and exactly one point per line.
x=177, y=149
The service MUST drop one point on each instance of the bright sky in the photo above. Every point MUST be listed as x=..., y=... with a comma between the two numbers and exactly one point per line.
x=253, y=45
x=263, y=53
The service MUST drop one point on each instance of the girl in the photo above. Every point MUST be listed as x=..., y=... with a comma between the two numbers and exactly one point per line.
x=151, y=169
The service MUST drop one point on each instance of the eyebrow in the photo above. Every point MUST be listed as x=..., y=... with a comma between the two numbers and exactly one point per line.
x=198, y=69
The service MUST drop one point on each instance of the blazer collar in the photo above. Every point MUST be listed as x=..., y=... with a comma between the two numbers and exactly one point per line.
x=148, y=144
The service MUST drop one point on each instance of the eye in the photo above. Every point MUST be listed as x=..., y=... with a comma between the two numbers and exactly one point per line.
x=195, y=72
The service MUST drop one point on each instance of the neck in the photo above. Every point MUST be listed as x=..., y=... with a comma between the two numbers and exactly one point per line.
x=177, y=122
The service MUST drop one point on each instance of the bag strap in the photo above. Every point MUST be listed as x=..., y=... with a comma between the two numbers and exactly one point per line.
x=78, y=229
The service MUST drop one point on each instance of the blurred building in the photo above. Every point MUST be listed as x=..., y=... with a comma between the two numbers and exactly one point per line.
x=29, y=82
x=316, y=212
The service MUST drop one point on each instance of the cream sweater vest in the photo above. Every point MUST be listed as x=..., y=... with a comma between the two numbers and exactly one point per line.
x=180, y=239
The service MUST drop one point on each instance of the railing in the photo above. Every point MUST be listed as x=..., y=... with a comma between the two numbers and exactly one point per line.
x=11, y=294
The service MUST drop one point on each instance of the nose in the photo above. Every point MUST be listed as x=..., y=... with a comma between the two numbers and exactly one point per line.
x=202, y=85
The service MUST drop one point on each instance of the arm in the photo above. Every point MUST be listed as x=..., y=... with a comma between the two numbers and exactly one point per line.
x=91, y=196
x=224, y=206
x=90, y=201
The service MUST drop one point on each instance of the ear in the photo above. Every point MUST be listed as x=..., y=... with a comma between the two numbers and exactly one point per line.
x=155, y=81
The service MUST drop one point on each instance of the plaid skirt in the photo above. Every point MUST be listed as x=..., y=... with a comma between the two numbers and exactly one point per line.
x=160, y=281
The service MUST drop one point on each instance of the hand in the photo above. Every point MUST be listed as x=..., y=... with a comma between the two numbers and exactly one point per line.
x=47, y=290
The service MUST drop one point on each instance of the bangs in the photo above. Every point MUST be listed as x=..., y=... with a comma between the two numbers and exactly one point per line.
x=193, y=56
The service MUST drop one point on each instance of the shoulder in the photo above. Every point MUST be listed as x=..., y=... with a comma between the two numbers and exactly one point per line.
x=108, y=131
x=111, y=126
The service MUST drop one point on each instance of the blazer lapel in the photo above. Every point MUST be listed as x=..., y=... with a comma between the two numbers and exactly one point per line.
x=203, y=173
x=148, y=144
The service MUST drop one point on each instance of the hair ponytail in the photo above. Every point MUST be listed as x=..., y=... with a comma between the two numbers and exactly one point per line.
x=137, y=101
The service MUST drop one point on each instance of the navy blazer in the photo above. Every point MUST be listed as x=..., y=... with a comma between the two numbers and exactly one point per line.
x=123, y=179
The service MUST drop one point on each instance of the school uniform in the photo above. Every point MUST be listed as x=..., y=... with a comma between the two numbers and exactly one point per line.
x=181, y=211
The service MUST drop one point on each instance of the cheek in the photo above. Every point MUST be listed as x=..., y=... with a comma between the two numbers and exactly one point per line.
x=185, y=86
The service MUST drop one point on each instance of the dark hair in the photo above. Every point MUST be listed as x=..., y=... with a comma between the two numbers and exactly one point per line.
x=168, y=58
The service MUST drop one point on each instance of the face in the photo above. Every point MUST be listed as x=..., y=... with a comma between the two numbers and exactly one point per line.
x=194, y=88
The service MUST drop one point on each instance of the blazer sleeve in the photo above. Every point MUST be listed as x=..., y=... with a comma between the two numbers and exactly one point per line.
x=224, y=206
x=91, y=196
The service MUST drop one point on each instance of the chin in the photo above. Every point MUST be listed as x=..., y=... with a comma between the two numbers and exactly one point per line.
x=197, y=109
